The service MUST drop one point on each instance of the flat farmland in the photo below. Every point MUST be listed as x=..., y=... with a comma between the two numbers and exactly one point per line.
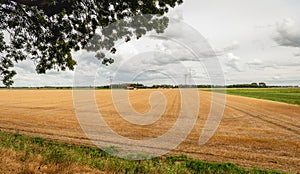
x=286, y=95
x=252, y=132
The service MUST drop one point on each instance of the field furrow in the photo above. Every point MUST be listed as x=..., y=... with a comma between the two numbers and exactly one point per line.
x=252, y=132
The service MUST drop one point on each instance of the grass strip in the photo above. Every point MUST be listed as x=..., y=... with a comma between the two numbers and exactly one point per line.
x=286, y=95
x=53, y=153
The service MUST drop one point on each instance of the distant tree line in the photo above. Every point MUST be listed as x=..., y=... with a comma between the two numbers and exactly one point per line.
x=251, y=85
x=157, y=86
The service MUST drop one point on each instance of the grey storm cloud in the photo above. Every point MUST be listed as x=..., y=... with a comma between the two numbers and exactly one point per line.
x=288, y=33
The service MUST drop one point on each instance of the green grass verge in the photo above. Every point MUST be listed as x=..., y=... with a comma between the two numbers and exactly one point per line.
x=58, y=153
x=286, y=95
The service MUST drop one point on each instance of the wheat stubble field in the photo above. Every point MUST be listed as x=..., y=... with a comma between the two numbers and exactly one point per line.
x=252, y=133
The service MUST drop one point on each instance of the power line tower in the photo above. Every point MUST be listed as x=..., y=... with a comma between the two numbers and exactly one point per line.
x=110, y=82
x=188, y=78
x=185, y=79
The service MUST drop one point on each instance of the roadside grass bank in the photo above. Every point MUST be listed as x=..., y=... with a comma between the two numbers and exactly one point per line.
x=286, y=95
x=54, y=157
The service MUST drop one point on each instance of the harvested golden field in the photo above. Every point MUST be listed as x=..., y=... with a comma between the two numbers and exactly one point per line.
x=256, y=133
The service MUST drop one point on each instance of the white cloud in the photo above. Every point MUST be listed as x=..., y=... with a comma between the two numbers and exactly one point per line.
x=233, y=46
x=25, y=67
x=277, y=77
x=176, y=14
x=255, y=62
x=297, y=53
x=233, y=62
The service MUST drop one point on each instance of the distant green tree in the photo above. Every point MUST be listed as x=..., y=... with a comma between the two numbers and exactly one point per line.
x=254, y=85
x=46, y=31
x=262, y=84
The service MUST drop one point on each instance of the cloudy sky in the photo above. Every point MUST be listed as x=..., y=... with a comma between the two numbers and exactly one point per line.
x=240, y=41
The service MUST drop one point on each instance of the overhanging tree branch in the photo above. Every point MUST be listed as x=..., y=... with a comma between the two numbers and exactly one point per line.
x=47, y=31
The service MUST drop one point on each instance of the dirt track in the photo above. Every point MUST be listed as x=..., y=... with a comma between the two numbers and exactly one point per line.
x=252, y=133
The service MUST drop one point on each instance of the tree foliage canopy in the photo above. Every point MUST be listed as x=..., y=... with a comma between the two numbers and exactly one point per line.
x=46, y=31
